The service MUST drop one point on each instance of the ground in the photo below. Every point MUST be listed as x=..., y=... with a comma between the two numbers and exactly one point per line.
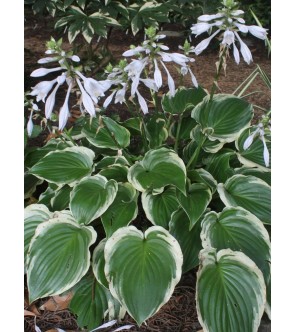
x=179, y=314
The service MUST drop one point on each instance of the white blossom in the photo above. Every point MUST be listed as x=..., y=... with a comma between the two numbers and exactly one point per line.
x=64, y=111
x=44, y=71
x=30, y=125
x=42, y=89
x=205, y=43
x=50, y=101
x=47, y=60
x=228, y=37
x=244, y=49
x=86, y=100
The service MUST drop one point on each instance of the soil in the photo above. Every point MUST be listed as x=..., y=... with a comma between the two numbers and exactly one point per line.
x=179, y=314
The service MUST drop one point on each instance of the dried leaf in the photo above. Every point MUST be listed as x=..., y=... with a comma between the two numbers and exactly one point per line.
x=58, y=302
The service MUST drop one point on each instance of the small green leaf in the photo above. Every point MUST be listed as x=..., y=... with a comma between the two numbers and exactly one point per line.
x=91, y=197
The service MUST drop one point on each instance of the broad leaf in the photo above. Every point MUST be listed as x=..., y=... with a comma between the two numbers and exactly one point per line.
x=66, y=166
x=92, y=302
x=264, y=176
x=249, y=193
x=106, y=133
x=116, y=172
x=58, y=256
x=239, y=230
x=189, y=240
x=122, y=211
x=61, y=199
x=110, y=160
x=158, y=168
x=224, y=117
x=91, y=197
x=35, y=214
x=230, y=292
x=142, y=269
x=198, y=197
x=98, y=264
x=182, y=100
x=156, y=132
x=159, y=207
x=202, y=176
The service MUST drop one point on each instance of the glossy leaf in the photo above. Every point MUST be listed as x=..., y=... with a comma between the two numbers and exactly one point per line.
x=142, y=269
x=91, y=197
x=249, y=193
x=159, y=207
x=188, y=239
x=239, y=230
x=158, y=168
x=61, y=199
x=58, y=256
x=122, y=211
x=230, y=292
x=66, y=166
x=200, y=175
x=257, y=172
x=117, y=172
x=198, y=197
x=98, y=264
x=224, y=117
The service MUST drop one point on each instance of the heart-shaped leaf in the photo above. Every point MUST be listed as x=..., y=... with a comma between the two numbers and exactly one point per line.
x=158, y=168
x=224, y=117
x=239, y=230
x=230, y=292
x=200, y=175
x=98, y=264
x=58, y=256
x=198, y=197
x=91, y=197
x=159, y=207
x=66, y=166
x=248, y=192
x=264, y=176
x=189, y=240
x=142, y=269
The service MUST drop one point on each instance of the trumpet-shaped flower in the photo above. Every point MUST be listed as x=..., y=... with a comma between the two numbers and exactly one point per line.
x=42, y=89
x=229, y=22
x=30, y=125
x=44, y=71
x=50, y=101
x=86, y=100
x=64, y=111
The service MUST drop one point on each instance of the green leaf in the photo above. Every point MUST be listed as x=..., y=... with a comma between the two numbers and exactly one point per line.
x=202, y=176
x=209, y=146
x=253, y=156
x=58, y=256
x=115, y=172
x=123, y=209
x=156, y=132
x=61, y=199
x=106, y=133
x=142, y=269
x=35, y=214
x=159, y=207
x=66, y=166
x=224, y=118
x=230, y=292
x=158, y=168
x=195, y=202
x=91, y=303
x=186, y=125
x=264, y=176
x=46, y=196
x=248, y=192
x=109, y=160
x=218, y=165
x=189, y=240
x=30, y=184
x=182, y=100
x=238, y=230
x=98, y=264
x=91, y=197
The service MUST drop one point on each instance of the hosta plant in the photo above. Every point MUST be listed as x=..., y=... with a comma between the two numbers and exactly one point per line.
x=133, y=202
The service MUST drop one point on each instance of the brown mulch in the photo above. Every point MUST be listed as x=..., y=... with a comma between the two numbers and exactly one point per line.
x=179, y=314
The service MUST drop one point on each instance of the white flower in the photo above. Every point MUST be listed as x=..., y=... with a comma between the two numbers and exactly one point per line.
x=86, y=100
x=206, y=18
x=50, y=101
x=42, y=89
x=64, y=111
x=108, y=100
x=75, y=58
x=157, y=74
x=44, y=71
x=120, y=95
x=171, y=84
x=142, y=103
x=228, y=37
x=150, y=83
x=30, y=125
x=257, y=31
x=47, y=60
x=193, y=77
x=244, y=49
x=204, y=43
x=134, y=51
x=201, y=27
x=236, y=54
x=265, y=152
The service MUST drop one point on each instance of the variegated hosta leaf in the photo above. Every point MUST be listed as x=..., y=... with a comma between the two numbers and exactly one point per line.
x=249, y=193
x=91, y=197
x=210, y=146
x=111, y=160
x=106, y=133
x=159, y=207
x=142, y=269
x=230, y=292
x=182, y=100
x=218, y=165
x=98, y=263
x=239, y=230
x=189, y=240
x=66, y=166
x=224, y=117
x=92, y=303
x=264, y=176
x=198, y=197
x=116, y=172
x=35, y=214
x=58, y=256
x=158, y=168
x=253, y=156
x=200, y=175
x=156, y=133
x=122, y=211
x=61, y=199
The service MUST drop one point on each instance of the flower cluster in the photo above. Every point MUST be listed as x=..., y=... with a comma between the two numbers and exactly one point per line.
x=229, y=21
